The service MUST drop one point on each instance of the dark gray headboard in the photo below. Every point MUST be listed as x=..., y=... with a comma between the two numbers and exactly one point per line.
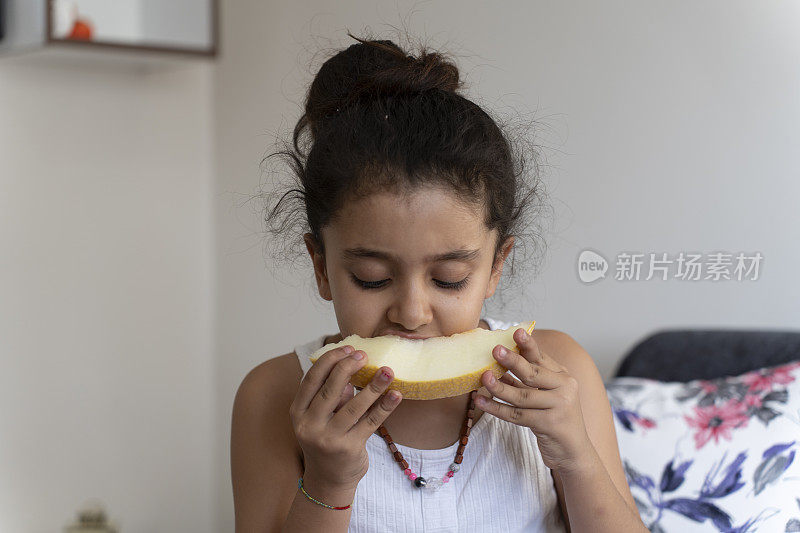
x=684, y=355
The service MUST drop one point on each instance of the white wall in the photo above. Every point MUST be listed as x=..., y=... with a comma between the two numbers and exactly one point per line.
x=182, y=23
x=106, y=317
x=673, y=126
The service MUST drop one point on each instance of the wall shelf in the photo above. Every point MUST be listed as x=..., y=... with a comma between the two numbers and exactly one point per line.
x=119, y=34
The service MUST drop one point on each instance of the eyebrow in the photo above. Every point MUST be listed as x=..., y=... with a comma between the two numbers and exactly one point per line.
x=455, y=255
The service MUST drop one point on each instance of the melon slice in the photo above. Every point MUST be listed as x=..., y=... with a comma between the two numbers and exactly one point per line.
x=437, y=367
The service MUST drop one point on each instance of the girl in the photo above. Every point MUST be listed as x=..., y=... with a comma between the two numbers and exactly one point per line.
x=412, y=199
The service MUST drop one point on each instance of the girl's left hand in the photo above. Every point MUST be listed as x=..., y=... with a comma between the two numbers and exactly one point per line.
x=545, y=400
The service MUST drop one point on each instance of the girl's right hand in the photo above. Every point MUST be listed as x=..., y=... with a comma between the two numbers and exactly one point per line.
x=333, y=436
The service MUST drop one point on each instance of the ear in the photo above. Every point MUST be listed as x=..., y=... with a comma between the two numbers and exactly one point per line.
x=320, y=269
x=497, y=267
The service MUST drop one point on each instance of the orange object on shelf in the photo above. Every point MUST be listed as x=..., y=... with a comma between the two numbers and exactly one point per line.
x=81, y=31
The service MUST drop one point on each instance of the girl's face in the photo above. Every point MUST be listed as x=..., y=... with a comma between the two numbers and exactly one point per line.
x=382, y=272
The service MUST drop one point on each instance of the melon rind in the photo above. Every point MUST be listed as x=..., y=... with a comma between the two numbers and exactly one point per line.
x=379, y=349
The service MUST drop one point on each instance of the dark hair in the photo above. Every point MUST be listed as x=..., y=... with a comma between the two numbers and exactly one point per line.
x=378, y=119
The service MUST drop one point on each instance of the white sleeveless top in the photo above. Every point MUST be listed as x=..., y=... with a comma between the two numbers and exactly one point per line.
x=502, y=484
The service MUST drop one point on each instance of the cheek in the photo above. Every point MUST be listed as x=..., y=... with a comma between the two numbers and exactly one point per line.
x=342, y=287
x=355, y=310
x=468, y=298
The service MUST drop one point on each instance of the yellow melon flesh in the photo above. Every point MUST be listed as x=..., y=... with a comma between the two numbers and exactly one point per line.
x=437, y=367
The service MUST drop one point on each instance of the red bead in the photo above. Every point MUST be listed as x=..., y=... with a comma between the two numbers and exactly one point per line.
x=450, y=473
x=407, y=471
x=412, y=476
x=445, y=479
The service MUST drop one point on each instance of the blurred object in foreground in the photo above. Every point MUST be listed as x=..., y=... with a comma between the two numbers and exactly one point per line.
x=92, y=519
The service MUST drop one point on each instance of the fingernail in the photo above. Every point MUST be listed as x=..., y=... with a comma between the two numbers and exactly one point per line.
x=492, y=379
x=358, y=355
x=385, y=376
x=348, y=350
x=502, y=352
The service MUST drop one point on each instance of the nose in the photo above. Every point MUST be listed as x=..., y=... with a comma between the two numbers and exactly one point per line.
x=410, y=307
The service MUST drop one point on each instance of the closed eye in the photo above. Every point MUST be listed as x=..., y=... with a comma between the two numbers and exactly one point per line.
x=456, y=285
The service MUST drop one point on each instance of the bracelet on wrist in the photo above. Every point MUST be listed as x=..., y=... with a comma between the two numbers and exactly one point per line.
x=300, y=485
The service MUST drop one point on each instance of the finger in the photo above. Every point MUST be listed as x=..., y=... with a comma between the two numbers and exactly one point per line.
x=316, y=376
x=349, y=415
x=511, y=413
x=530, y=350
x=521, y=395
x=530, y=374
x=381, y=408
x=510, y=380
x=376, y=415
x=347, y=395
x=330, y=392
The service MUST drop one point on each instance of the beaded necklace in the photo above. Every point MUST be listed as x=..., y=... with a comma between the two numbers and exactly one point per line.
x=435, y=483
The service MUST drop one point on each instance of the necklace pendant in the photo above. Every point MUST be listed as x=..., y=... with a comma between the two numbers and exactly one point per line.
x=433, y=484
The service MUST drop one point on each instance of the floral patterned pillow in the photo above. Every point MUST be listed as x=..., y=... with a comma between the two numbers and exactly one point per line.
x=712, y=455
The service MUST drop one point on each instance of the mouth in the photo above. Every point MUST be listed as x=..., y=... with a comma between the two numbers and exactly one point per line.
x=406, y=335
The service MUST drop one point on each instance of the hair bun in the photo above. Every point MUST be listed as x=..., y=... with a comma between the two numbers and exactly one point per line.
x=411, y=74
x=377, y=68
